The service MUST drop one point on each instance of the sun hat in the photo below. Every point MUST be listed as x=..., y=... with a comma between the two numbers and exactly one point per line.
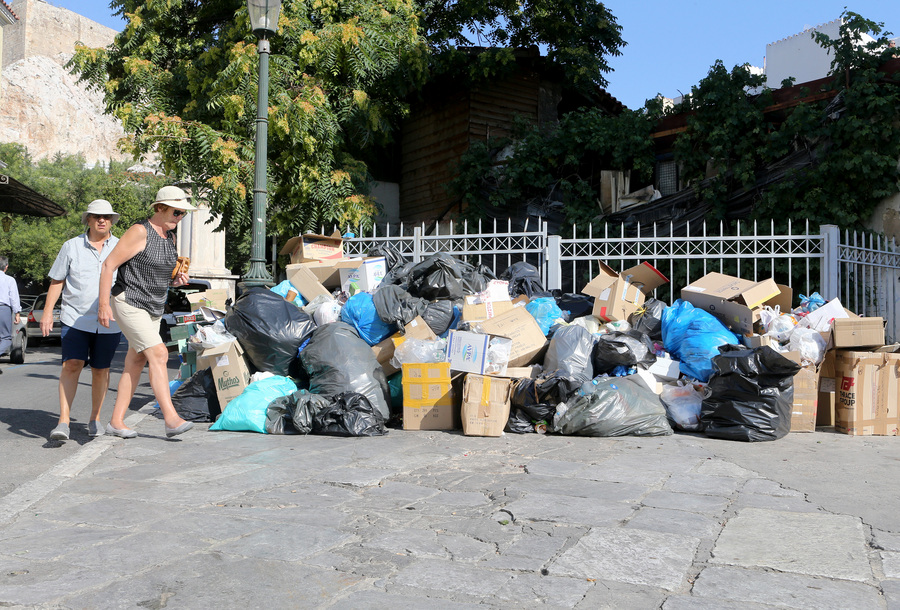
x=173, y=197
x=99, y=207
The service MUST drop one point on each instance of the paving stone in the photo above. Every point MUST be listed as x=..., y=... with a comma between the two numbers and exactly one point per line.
x=891, y=590
x=675, y=522
x=792, y=504
x=485, y=529
x=307, y=495
x=136, y=552
x=702, y=484
x=890, y=563
x=629, y=555
x=401, y=493
x=379, y=600
x=615, y=471
x=721, y=468
x=288, y=542
x=414, y=542
x=783, y=590
x=109, y=512
x=530, y=590
x=888, y=541
x=807, y=543
x=28, y=582
x=769, y=488
x=579, y=488
x=356, y=477
x=451, y=577
x=553, y=468
x=212, y=525
x=580, y=511
x=688, y=602
x=612, y=595
x=55, y=542
x=709, y=505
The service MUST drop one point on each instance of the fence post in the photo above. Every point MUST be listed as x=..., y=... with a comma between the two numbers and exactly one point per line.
x=829, y=282
x=553, y=260
x=417, y=244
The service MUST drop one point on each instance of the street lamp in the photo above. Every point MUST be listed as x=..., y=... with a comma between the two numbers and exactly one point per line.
x=263, y=23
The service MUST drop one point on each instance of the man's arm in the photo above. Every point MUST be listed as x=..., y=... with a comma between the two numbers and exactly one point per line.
x=53, y=293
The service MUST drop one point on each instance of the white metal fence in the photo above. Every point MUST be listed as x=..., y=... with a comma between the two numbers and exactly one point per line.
x=862, y=269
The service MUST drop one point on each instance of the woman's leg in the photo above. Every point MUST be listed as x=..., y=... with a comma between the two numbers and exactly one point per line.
x=157, y=357
x=128, y=383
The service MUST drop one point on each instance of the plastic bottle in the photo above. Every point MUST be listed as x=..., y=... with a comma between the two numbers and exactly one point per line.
x=588, y=387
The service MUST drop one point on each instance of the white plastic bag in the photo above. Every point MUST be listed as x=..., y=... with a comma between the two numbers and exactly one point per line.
x=780, y=328
x=618, y=326
x=682, y=404
x=211, y=336
x=591, y=323
x=327, y=312
x=420, y=350
x=767, y=314
x=809, y=343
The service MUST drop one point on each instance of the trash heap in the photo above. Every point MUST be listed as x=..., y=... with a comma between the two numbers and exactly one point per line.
x=356, y=346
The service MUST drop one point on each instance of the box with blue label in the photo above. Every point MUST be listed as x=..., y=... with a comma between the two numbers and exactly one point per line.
x=478, y=353
x=362, y=274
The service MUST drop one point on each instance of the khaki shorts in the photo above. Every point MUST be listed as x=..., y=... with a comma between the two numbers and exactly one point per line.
x=139, y=327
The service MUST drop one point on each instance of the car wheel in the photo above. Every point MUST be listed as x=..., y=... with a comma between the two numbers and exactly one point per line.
x=20, y=344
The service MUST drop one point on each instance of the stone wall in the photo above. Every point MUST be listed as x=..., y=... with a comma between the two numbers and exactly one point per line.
x=46, y=30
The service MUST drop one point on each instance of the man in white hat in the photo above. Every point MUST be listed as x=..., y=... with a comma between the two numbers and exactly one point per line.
x=76, y=276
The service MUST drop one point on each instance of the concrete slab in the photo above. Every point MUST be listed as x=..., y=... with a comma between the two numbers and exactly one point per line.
x=890, y=563
x=695, y=503
x=891, y=590
x=783, y=590
x=450, y=577
x=702, y=484
x=287, y=542
x=545, y=591
x=805, y=543
x=681, y=522
x=572, y=511
x=628, y=555
x=612, y=595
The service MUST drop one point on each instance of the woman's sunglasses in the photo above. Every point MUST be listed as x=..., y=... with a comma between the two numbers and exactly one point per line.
x=178, y=213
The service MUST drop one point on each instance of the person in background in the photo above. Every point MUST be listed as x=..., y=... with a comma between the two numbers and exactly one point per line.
x=145, y=259
x=9, y=306
x=76, y=276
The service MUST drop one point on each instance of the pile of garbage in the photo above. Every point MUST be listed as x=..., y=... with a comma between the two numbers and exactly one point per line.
x=355, y=346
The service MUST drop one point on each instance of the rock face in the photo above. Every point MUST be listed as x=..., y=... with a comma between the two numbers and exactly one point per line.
x=44, y=108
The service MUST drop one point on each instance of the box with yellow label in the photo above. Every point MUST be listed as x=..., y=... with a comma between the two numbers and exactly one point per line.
x=485, y=406
x=428, y=399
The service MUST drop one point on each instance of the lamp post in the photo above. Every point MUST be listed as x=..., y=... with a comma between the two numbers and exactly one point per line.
x=263, y=23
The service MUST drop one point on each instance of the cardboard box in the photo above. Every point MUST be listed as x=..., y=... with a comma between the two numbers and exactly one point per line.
x=476, y=312
x=384, y=350
x=478, y=353
x=665, y=369
x=527, y=339
x=734, y=301
x=618, y=295
x=485, y=405
x=868, y=393
x=230, y=370
x=821, y=319
x=857, y=332
x=327, y=272
x=825, y=407
x=214, y=299
x=806, y=399
x=753, y=341
x=428, y=397
x=314, y=247
x=364, y=273
x=523, y=372
x=306, y=282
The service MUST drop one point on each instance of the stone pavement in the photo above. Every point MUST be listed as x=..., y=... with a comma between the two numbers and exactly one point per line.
x=440, y=520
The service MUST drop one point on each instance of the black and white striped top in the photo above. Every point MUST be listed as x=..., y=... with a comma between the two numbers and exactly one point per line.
x=145, y=277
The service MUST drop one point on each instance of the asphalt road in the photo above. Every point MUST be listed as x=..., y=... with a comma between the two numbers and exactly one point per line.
x=29, y=410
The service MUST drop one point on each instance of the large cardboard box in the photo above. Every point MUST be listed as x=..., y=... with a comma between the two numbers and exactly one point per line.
x=384, y=350
x=528, y=342
x=305, y=281
x=492, y=301
x=478, y=353
x=326, y=272
x=868, y=393
x=827, y=402
x=428, y=397
x=857, y=332
x=363, y=273
x=618, y=295
x=314, y=247
x=734, y=301
x=230, y=370
x=485, y=405
x=214, y=299
x=806, y=400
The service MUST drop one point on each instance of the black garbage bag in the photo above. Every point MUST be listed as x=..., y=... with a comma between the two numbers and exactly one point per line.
x=524, y=278
x=270, y=330
x=574, y=305
x=280, y=416
x=398, y=276
x=196, y=398
x=648, y=319
x=306, y=406
x=438, y=316
x=349, y=414
x=750, y=395
x=437, y=277
x=396, y=306
x=569, y=353
x=550, y=390
x=475, y=279
x=392, y=255
x=338, y=361
x=523, y=420
x=617, y=406
x=629, y=348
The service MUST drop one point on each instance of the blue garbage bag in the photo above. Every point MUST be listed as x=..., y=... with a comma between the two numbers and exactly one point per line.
x=282, y=291
x=693, y=336
x=248, y=410
x=360, y=313
x=545, y=311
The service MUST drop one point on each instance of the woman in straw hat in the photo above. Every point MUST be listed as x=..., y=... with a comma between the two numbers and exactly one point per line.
x=145, y=258
x=76, y=276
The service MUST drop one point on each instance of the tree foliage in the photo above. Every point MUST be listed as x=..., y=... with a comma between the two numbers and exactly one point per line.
x=33, y=242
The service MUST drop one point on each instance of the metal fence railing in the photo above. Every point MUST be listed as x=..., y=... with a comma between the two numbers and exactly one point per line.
x=862, y=269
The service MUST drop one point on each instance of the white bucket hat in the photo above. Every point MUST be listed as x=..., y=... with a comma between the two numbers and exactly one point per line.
x=173, y=197
x=99, y=207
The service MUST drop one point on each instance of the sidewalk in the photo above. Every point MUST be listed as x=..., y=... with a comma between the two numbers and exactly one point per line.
x=440, y=520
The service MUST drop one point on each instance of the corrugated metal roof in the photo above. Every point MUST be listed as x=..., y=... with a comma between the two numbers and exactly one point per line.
x=16, y=198
x=9, y=8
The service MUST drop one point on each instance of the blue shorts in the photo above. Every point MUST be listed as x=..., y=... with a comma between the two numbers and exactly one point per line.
x=96, y=349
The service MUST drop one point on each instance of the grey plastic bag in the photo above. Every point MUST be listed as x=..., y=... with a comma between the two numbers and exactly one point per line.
x=569, y=353
x=617, y=406
x=305, y=408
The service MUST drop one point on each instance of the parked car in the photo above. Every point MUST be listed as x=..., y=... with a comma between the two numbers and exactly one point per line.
x=34, y=320
x=19, y=342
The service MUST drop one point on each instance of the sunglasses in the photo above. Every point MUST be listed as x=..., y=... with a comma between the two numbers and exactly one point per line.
x=178, y=213
x=107, y=217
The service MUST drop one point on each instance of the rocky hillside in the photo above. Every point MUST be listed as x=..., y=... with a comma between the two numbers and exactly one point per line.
x=44, y=108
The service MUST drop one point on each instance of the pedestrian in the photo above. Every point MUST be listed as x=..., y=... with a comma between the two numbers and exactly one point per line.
x=76, y=276
x=9, y=306
x=145, y=259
